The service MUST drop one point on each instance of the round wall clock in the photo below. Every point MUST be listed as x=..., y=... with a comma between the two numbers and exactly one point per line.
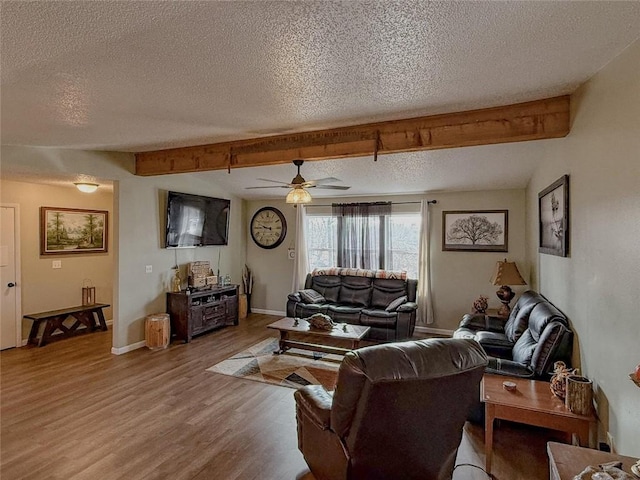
x=268, y=227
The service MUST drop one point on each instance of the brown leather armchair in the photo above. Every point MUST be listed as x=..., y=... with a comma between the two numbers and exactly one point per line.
x=397, y=411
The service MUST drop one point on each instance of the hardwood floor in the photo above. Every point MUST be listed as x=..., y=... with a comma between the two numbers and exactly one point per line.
x=72, y=410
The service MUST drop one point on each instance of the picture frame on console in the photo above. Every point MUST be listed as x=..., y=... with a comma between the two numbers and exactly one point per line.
x=475, y=230
x=553, y=218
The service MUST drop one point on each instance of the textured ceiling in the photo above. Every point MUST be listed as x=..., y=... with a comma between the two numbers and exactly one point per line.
x=145, y=75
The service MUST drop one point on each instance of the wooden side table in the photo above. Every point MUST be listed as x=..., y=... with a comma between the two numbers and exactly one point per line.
x=567, y=461
x=531, y=403
x=157, y=331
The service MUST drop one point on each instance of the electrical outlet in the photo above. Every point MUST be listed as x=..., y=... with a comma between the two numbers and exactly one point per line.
x=56, y=264
x=148, y=268
x=610, y=442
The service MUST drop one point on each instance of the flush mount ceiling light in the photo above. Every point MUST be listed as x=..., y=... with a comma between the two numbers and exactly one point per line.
x=298, y=195
x=86, y=187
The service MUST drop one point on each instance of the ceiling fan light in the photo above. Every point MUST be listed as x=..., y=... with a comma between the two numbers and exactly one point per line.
x=86, y=187
x=298, y=195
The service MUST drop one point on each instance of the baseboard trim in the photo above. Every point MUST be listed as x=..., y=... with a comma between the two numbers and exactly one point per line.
x=435, y=331
x=268, y=312
x=128, y=348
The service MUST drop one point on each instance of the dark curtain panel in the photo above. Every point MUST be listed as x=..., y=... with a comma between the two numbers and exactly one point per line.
x=361, y=234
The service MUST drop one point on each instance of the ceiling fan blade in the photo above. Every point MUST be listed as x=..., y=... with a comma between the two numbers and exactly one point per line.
x=273, y=181
x=299, y=182
x=333, y=187
x=323, y=180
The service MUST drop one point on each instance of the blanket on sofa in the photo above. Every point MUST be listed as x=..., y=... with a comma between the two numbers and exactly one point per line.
x=360, y=272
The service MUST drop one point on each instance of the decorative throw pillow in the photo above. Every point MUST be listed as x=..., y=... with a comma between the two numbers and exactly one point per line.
x=393, y=306
x=311, y=296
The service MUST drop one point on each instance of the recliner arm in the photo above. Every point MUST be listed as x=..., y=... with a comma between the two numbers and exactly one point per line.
x=495, y=324
x=407, y=307
x=295, y=297
x=405, y=324
x=480, y=321
x=501, y=366
x=316, y=403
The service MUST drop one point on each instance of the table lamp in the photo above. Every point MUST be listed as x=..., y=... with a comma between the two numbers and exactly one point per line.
x=506, y=274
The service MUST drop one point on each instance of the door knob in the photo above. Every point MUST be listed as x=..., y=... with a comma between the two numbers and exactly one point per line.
x=11, y=284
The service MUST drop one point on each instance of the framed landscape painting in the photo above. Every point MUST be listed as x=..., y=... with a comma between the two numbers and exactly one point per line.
x=475, y=230
x=73, y=230
x=553, y=218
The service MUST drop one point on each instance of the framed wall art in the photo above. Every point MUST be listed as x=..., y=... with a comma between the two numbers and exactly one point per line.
x=73, y=230
x=475, y=230
x=553, y=218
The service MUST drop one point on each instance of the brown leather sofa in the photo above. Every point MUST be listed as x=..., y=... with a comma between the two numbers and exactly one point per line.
x=397, y=412
x=387, y=305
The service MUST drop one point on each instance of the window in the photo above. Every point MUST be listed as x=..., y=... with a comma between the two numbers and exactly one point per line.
x=402, y=250
x=321, y=235
x=400, y=244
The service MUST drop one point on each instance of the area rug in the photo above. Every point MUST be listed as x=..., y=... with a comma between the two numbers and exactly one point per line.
x=294, y=369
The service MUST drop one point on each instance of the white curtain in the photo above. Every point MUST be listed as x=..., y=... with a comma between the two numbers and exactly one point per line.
x=301, y=261
x=425, y=306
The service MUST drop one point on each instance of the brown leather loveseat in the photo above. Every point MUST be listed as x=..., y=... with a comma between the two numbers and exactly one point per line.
x=397, y=412
x=535, y=336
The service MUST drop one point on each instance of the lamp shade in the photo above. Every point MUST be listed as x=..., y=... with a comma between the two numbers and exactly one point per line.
x=507, y=273
x=86, y=187
x=298, y=195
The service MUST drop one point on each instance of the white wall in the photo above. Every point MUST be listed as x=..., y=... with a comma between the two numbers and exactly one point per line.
x=598, y=285
x=138, y=229
x=271, y=268
x=142, y=214
x=458, y=277
x=44, y=288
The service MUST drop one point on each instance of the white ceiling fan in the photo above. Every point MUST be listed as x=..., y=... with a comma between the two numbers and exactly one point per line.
x=299, y=185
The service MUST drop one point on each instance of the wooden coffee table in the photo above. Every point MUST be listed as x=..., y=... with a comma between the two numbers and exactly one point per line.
x=531, y=403
x=342, y=331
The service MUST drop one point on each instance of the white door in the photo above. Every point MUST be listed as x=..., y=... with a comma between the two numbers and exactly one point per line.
x=8, y=271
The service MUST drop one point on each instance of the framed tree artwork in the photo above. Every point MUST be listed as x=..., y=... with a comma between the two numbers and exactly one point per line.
x=475, y=230
x=553, y=218
x=73, y=230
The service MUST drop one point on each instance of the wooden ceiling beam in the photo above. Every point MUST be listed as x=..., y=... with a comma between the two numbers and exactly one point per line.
x=541, y=119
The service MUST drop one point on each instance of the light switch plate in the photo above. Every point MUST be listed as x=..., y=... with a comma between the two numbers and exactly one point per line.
x=148, y=268
x=56, y=264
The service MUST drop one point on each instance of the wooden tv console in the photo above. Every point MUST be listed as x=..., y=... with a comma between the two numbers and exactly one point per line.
x=193, y=313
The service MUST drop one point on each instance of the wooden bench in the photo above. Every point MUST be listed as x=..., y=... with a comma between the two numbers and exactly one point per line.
x=55, y=329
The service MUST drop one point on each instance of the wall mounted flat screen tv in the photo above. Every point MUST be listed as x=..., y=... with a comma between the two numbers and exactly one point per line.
x=196, y=220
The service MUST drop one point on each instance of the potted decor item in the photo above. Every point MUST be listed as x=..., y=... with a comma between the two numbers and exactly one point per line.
x=579, y=395
x=481, y=304
x=321, y=322
x=247, y=285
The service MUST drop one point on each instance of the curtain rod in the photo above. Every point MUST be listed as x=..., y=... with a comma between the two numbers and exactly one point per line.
x=431, y=202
